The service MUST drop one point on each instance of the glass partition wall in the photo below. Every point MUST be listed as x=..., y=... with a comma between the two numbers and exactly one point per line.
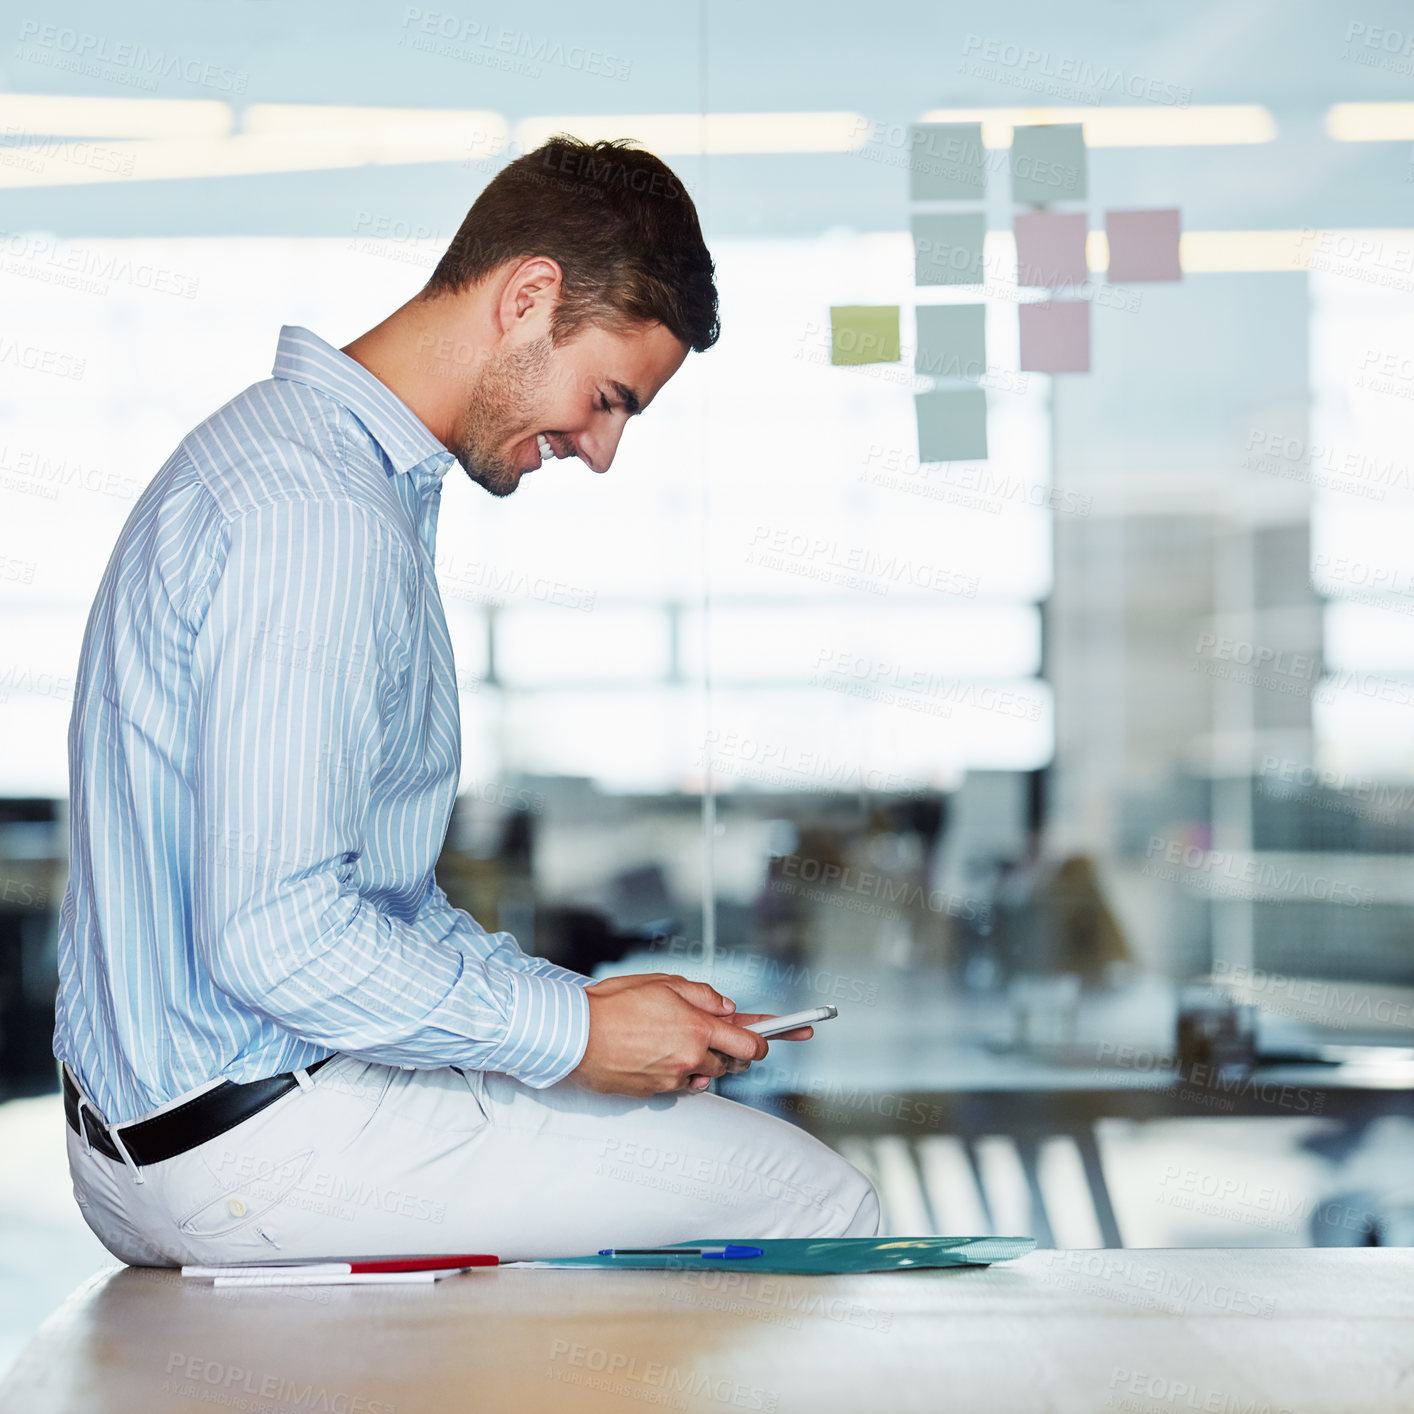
x=1042, y=707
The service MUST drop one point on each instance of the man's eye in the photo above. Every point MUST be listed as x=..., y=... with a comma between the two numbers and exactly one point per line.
x=604, y=404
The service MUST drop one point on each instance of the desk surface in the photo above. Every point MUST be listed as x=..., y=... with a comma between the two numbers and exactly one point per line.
x=1308, y=1331
x=915, y=1030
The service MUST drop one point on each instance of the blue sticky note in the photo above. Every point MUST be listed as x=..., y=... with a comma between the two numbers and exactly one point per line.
x=952, y=341
x=946, y=162
x=1048, y=163
x=947, y=247
x=952, y=425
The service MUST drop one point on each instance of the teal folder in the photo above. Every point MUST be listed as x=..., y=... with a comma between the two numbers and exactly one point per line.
x=818, y=1256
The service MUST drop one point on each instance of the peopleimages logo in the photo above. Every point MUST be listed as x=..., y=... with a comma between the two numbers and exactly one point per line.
x=1139, y=1391
x=31, y=151
x=761, y=1297
x=35, y=473
x=92, y=270
x=1322, y=464
x=650, y=1381
x=494, y=46
x=1355, y=795
x=1380, y=47
x=1129, y=1279
x=1310, y=998
x=973, y=484
x=1246, y=876
x=206, y=1381
x=773, y=973
x=1063, y=75
x=882, y=680
x=848, y=878
x=854, y=567
x=121, y=61
x=733, y=753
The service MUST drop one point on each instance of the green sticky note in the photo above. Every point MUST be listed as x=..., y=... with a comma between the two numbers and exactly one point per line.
x=952, y=425
x=947, y=248
x=946, y=162
x=952, y=341
x=1048, y=163
x=864, y=333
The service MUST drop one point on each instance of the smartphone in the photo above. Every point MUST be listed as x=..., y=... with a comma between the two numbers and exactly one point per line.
x=775, y=1025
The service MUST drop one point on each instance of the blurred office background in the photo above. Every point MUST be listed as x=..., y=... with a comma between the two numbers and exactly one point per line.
x=1081, y=778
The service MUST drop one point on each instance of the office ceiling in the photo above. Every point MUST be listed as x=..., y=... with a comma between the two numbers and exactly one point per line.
x=890, y=62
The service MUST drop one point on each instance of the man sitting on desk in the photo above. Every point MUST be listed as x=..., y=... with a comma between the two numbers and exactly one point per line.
x=279, y=1038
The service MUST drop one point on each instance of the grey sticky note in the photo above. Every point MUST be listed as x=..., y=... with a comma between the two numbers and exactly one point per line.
x=1143, y=245
x=947, y=248
x=1055, y=336
x=1048, y=163
x=952, y=341
x=946, y=162
x=952, y=425
x=1050, y=248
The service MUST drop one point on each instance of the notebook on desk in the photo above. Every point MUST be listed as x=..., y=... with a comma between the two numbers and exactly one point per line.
x=812, y=1256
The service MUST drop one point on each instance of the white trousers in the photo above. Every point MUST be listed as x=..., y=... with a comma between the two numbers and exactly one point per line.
x=373, y=1160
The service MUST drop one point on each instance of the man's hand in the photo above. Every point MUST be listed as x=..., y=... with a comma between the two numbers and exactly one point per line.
x=749, y=1018
x=651, y=1032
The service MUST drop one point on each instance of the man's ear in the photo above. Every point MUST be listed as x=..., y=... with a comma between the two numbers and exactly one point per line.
x=531, y=289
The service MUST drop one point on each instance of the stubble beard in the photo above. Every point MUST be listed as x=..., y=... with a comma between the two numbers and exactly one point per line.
x=503, y=401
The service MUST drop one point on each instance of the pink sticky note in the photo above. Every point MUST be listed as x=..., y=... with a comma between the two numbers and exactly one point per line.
x=1050, y=248
x=1143, y=245
x=1055, y=336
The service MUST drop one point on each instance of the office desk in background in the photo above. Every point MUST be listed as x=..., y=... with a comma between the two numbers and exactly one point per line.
x=963, y=1130
x=1071, y=1332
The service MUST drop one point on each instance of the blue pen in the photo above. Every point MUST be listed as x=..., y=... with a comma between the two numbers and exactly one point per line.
x=731, y=1250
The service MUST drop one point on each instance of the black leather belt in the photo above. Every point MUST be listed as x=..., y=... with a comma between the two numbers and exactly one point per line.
x=166, y=1135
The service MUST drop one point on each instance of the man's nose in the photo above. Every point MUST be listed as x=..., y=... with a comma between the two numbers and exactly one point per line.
x=598, y=446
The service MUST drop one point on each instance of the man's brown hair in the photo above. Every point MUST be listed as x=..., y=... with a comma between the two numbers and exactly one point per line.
x=617, y=221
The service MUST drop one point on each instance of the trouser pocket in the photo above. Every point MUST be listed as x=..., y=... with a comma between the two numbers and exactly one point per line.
x=246, y=1185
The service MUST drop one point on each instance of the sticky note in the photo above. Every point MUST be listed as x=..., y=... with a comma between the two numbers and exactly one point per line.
x=1048, y=163
x=1055, y=336
x=1050, y=248
x=947, y=248
x=1143, y=245
x=952, y=341
x=952, y=425
x=946, y=162
x=864, y=333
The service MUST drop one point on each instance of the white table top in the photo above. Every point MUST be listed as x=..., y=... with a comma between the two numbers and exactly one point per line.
x=1308, y=1331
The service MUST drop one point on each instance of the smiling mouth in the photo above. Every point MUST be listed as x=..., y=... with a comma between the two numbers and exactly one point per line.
x=546, y=450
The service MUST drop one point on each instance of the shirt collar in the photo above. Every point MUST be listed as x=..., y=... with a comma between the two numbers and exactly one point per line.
x=303, y=357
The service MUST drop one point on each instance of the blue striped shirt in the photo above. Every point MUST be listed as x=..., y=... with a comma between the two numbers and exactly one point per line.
x=263, y=756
